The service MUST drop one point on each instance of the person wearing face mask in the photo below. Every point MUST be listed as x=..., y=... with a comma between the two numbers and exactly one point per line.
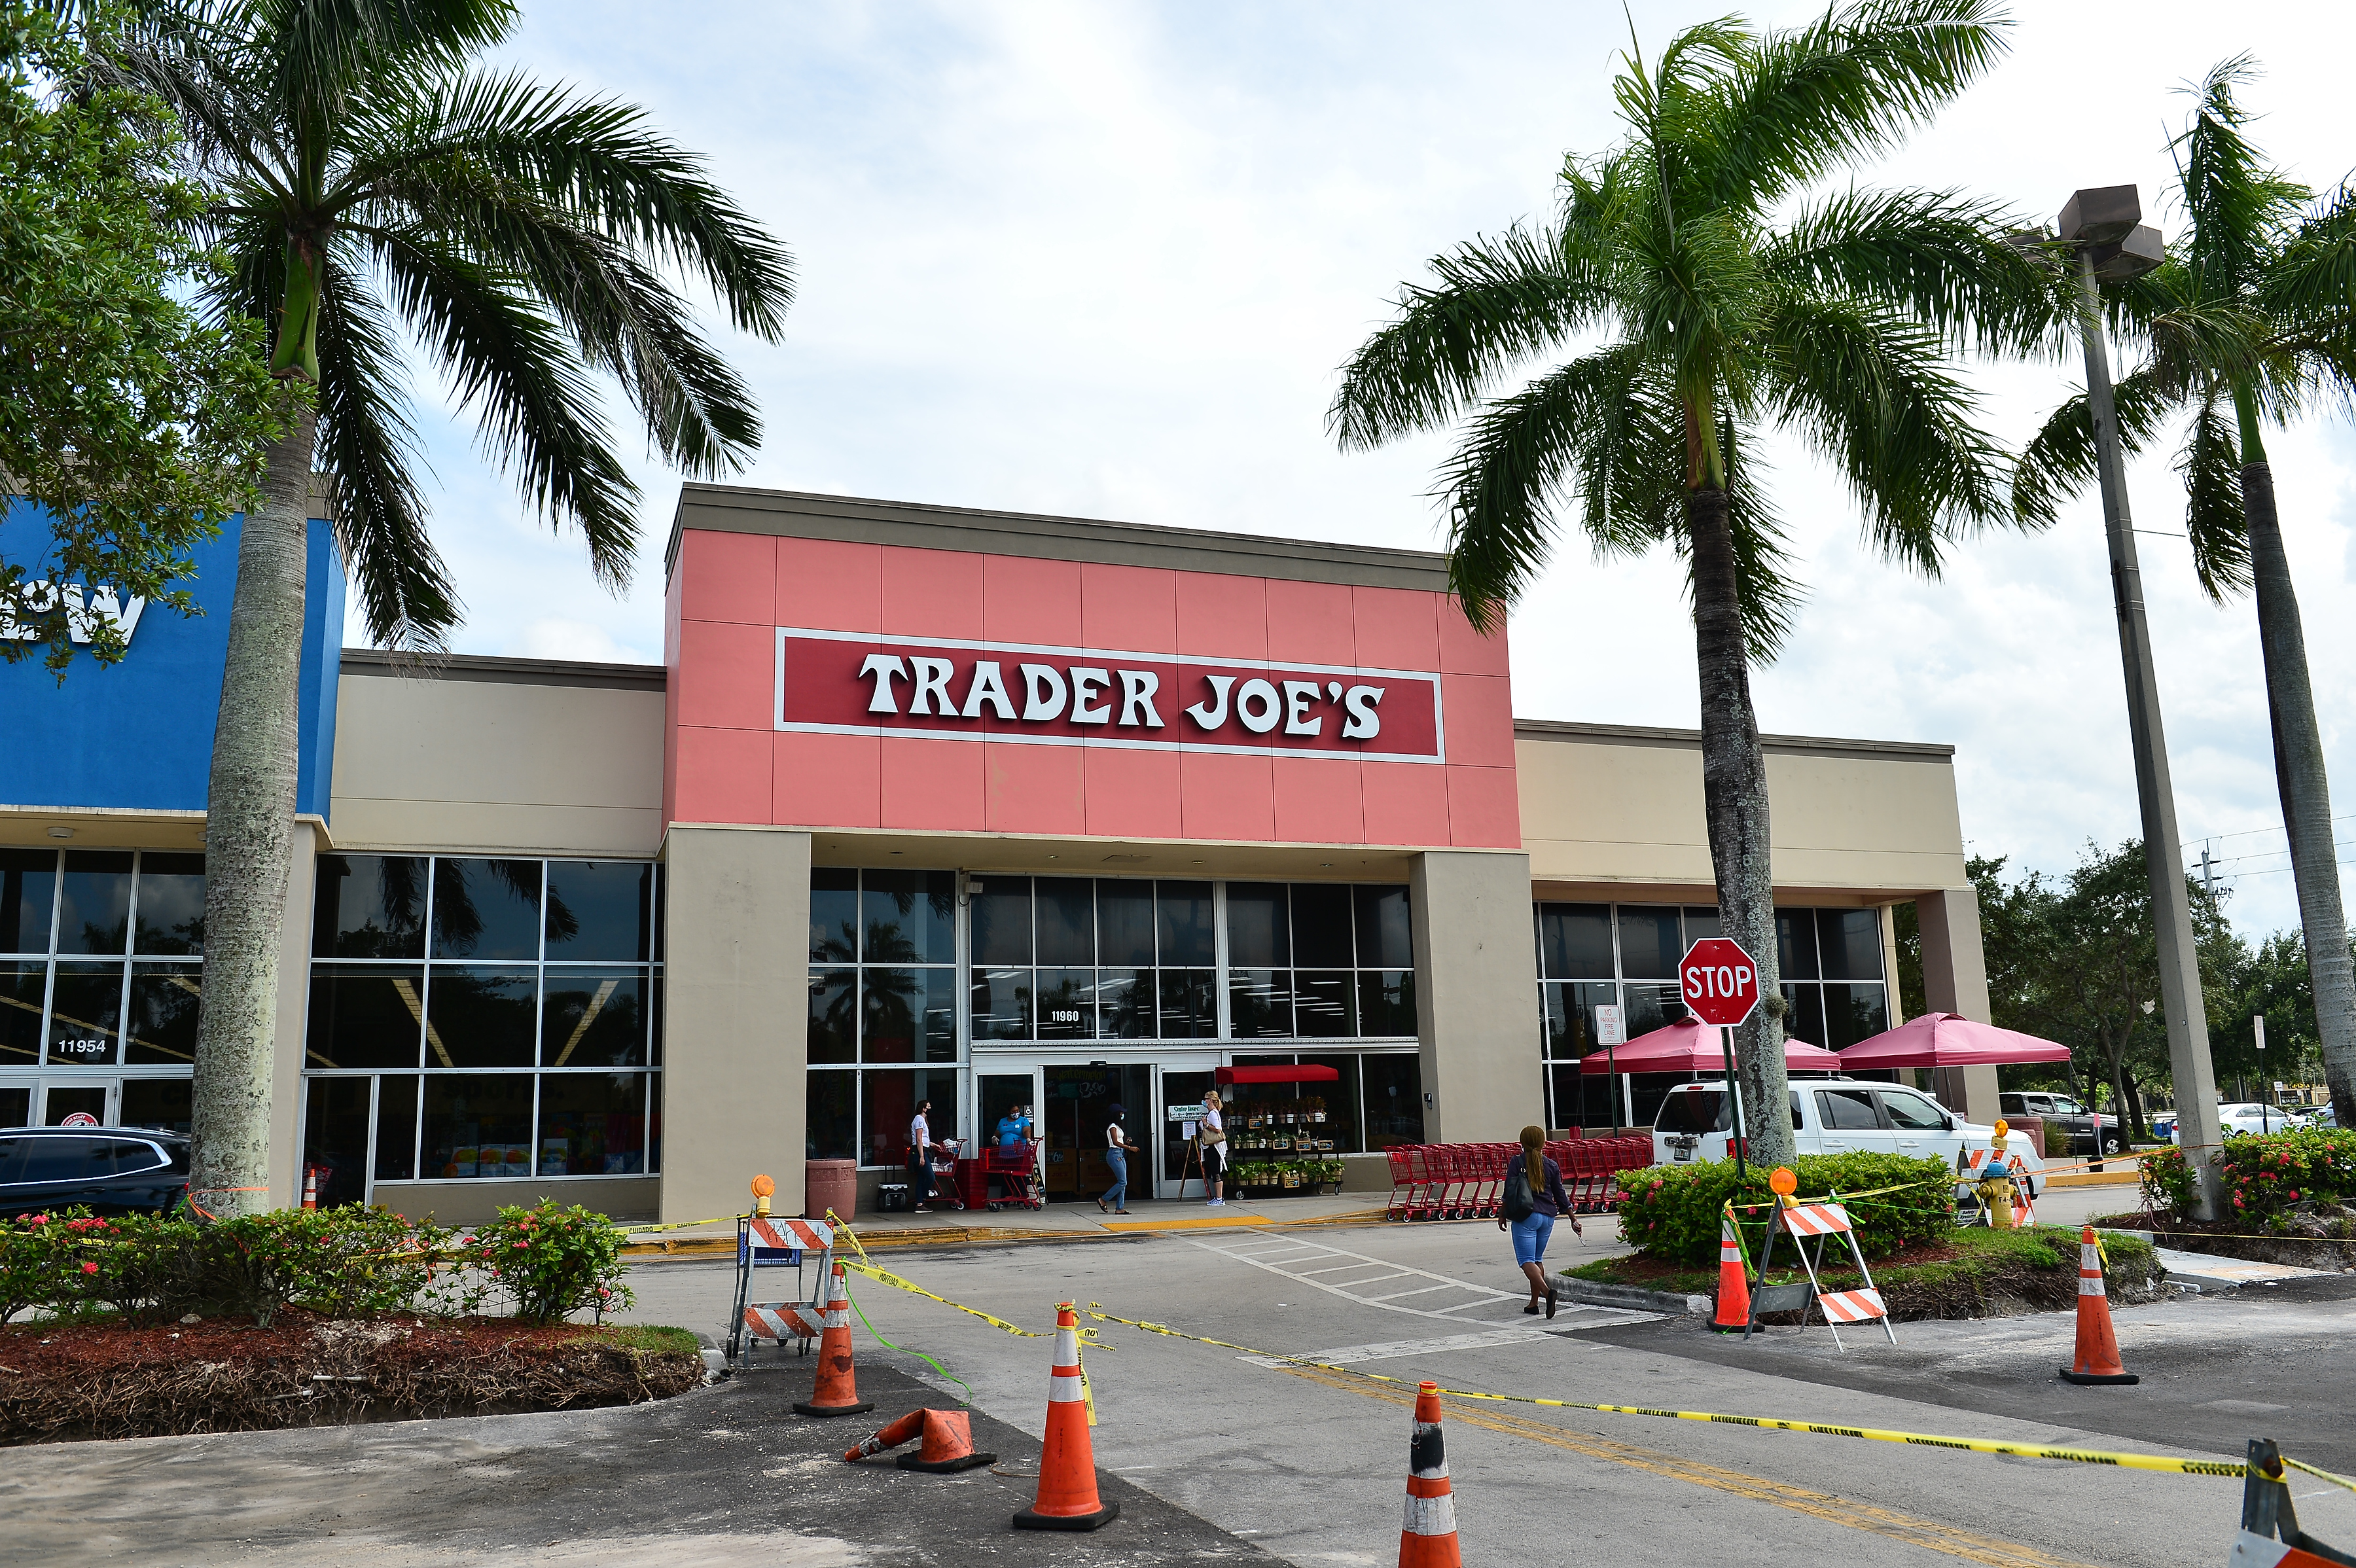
x=1117, y=1148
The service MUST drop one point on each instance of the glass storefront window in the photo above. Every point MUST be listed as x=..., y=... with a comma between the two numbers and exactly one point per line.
x=369, y=906
x=1853, y=1013
x=477, y=1125
x=908, y=1014
x=833, y=1015
x=593, y=1123
x=1570, y=1015
x=834, y=916
x=29, y=887
x=85, y=1013
x=1000, y=912
x=1190, y=1004
x=1260, y=928
x=166, y=1104
x=1386, y=934
x=480, y=1016
x=1650, y=944
x=396, y=1127
x=833, y=1130
x=485, y=909
x=888, y=1101
x=1184, y=930
x=171, y=918
x=1393, y=1091
x=1259, y=1003
x=1851, y=942
x=1796, y=945
x=1067, y=1004
x=592, y=1018
x=164, y=1009
x=1325, y=1005
x=602, y=911
x=23, y=995
x=366, y=1015
x=1002, y=1005
x=1325, y=928
x=908, y=917
x=94, y=901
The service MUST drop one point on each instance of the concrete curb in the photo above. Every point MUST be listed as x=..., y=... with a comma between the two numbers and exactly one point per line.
x=1594, y=1292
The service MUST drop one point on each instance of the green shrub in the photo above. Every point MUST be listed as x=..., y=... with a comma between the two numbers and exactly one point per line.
x=343, y=1262
x=1672, y=1212
x=554, y=1262
x=2264, y=1177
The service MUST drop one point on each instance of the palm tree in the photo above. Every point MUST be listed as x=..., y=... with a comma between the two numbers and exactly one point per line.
x=368, y=178
x=2251, y=320
x=1716, y=323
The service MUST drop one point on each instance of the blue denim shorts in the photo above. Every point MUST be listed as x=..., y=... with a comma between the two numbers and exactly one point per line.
x=1530, y=1237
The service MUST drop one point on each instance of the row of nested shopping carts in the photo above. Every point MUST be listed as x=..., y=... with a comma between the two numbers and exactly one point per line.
x=1467, y=1181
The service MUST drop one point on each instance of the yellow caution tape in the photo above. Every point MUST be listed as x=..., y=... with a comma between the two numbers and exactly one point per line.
x=2153, y=1462
x=678, y=1225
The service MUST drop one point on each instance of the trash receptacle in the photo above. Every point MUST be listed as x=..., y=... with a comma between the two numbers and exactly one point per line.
x=829, y=1184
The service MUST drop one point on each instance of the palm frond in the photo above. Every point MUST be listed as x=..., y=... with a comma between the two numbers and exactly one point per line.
x=594, y=159
x=1871, y=391
x=2211, y=464
x=509, y=360
x=2235, y=206
x=1765, y=591
x=368, y=449
x=1496, y=301
x=2060, y=461
x=2310, y=286
x=1597, y=427
x=323, y=55
x=1940, y=256
x=1850, y=84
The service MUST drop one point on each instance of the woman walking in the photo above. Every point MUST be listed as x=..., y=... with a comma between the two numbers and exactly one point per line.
x=1534, y=1200
x=1116, y=1147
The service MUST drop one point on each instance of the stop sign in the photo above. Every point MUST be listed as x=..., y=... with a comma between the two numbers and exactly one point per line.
x=1718, y=981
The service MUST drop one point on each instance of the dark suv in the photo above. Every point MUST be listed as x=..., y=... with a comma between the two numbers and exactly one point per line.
x=107, y=1170
x=2060, y=1110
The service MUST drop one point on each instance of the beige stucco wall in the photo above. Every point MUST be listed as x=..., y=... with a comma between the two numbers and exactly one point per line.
x=736, y=1018
x=1602, y=804
x=473, y=764
x=1476, y=995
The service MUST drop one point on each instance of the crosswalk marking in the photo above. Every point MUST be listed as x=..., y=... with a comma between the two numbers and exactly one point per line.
x=1309, y=1263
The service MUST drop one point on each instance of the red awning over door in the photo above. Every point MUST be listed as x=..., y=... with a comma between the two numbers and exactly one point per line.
x=1302, y=1074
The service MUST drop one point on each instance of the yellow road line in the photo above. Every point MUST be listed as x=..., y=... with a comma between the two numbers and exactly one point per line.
x=1889, y=1523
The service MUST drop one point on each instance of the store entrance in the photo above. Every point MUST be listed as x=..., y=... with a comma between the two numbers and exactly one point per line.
x=1076, y=1104
x=53, y=1099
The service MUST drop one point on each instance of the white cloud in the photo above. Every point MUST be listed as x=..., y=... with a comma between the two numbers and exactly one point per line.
x=1104, y=258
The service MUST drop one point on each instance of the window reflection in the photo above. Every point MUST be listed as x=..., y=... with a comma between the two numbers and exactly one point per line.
x=94, y=901
x=833, y=1130
x=28, y=884
x=833, y=1017
x=171, y=904
x=369, y=906
x=1066, y=1004
x=480, y=1016
x=594, y=1017
x=834, y=916
x=908, y=1014
x=85, y=1013
x=487, y=909
x=1001, y=1003
x=366, y=1016
x=163, y=1012
x=477, y=1124
x=1259, y=1003
x=599, y=910
x=593, y=1123
x=23, y=989
x=910, y=916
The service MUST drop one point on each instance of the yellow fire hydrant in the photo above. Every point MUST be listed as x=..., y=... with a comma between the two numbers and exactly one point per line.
x=1996, y=1187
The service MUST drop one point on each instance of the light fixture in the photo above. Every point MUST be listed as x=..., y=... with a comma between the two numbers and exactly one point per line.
x=61, y=833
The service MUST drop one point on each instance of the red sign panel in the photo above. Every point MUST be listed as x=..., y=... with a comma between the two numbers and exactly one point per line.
x=1718, y=981
x=859, y=683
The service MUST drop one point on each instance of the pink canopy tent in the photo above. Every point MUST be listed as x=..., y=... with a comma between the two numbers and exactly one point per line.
x=1690, y=1046
x=1948, y=1039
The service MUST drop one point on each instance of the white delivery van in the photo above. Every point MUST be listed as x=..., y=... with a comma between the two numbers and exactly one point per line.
x=1834, y=1116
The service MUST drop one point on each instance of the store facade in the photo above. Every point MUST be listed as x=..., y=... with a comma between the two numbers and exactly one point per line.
x=983, y=810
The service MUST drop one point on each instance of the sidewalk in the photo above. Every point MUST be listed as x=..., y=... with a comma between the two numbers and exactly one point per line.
x=1058, y=1222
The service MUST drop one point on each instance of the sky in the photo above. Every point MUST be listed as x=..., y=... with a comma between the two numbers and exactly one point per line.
x=1104, y=259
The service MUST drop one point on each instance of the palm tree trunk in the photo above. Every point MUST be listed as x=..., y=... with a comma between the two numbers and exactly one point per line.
x=248, y=821
x=1734, y=802
x=2306, y=791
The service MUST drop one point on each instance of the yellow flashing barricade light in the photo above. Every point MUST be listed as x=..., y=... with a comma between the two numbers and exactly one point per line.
x=763, y=1191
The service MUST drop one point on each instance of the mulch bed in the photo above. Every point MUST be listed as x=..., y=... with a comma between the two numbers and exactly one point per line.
x=2221, y=1239
x=61, y=1381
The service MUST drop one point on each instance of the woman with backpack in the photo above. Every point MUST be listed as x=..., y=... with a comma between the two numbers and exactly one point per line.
x=1533, y=1199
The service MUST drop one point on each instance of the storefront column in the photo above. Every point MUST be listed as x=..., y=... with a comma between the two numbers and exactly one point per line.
x=735, y=1017
x=294, y=1006
x=1955, y=980
x=1476, y=995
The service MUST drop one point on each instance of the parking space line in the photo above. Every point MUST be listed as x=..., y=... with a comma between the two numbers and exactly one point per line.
x=1388, y=1302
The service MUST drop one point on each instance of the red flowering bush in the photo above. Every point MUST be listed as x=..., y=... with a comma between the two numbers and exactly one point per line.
x=2262, y=1177
x=554, y=1261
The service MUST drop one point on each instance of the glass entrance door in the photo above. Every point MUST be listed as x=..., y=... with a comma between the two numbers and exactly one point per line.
x=1076, y=1104
x=17, y=1101
x=80, y=1102
x=1181, y=1102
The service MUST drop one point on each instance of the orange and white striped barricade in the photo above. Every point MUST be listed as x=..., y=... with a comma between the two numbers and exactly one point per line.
x=1976, y=1168
x=774, y=1241
x=1816, y=1223
x=2270, y=1536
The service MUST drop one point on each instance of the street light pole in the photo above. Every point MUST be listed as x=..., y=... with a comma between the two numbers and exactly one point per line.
x=2102, y=227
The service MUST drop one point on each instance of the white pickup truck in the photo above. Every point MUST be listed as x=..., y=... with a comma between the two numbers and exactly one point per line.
x=1834, y=1116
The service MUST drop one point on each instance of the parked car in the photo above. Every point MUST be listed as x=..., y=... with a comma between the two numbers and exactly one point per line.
x=107, y=1170
x=2249, y=1118
x=2060, y=1110
x=1830, y=1116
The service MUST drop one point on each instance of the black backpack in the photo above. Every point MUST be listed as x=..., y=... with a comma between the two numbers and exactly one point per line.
x=1520, y=1202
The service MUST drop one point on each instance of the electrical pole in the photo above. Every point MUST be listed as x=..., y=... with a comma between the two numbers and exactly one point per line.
x=2103, y=227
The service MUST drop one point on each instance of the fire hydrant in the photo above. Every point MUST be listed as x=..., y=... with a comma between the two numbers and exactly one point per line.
x=1996, y=1187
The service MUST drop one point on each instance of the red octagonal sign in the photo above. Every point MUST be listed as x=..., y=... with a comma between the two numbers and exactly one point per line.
x=1719, y=982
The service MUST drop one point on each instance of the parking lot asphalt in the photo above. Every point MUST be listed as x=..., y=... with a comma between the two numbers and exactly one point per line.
x=726, y=1476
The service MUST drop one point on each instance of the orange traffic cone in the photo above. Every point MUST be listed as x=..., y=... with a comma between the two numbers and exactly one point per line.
x=890, y=1436
x=2098, y=1346
x=1068, y=1467
x=1733, y=1284
x=948, y=1446
x=837, y=1392
x=1429, y=1538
